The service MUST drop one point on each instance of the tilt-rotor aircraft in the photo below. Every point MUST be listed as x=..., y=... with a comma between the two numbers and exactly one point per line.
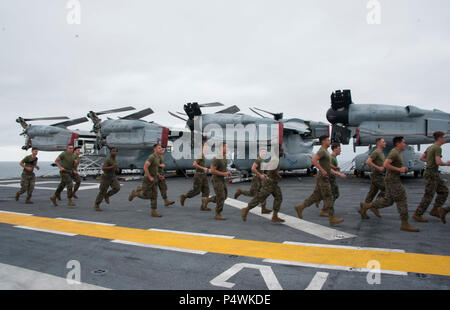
x=296, y=136
x=367, y=122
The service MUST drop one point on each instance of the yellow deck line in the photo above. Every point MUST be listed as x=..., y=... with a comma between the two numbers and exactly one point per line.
x=407, y=262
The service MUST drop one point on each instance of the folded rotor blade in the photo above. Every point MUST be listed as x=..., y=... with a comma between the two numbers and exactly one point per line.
x=45, y=118
x=179, y=117
x=115, y=110
x=230, y=110
x=258, y=113
x=210, y=105
x=71, y=122
x=138, y=115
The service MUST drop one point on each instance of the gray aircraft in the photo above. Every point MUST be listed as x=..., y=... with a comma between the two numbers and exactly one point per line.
x=366, y=122
x=296, y=136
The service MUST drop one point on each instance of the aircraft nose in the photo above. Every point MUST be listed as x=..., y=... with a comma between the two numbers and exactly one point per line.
x=338, y=117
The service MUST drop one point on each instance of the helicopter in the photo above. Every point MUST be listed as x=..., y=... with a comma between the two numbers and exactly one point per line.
x=367, y=122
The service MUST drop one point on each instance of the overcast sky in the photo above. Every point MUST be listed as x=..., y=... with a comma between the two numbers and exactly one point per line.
x=283, y=56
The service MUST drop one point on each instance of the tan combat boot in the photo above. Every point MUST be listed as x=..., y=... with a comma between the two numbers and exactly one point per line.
x=238, y=193
x=375, y=211
x=205, y=204
x=364, y=206
x=97, y=208
x=28, y=202
x=264, y=210
x=17, y=196
x=74, y=196
x=324, y=213
x=53, y=200
x=59, y=197
x=182, y=199
x=133, y=195
x=335, y=220
x=299, y=210
x=139, y=188
x=244, y=213
x=155, y=214
x=406, y=227
x=443, y=212
x=435, y=212
x=275, y=218
x=219, y=217
x=70, y=203
x=419, y=218
x=168, y=202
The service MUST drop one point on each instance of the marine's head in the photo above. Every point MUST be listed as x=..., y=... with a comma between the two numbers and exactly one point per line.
x=69, y=149
x=325, y=141
x=336, y=148
x=157, y=149
x=34, y=151
x=113, y=151
x=439, y=137
x=399, y=143
x=77, y=151
x=380, y=142
x=163, y=149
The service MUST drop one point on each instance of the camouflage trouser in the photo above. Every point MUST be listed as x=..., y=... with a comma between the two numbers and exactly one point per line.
x=433, y=185
x=376, y=184
x=149, y=191
x=255, y=187
x=107, y=181
x=200, y=185
x=323, y=191
x=221, y=194
x=268, y=187
x=334, y=187
x=76, y=178
x=66, y=181
x=27, y=184
x=163, y=188
x=395, y=192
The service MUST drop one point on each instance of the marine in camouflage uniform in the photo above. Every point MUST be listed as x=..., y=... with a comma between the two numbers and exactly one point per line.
x=109, y=179
x=28, y=177
x=269, y=187
x=200, y=184
x=76, y=177
x=66, y=163
x=395, y=192
x=255, y=186
x=149, y=188
x=376, y=177
x=323, y=190
x=434, y=184
x=162, y=185
x=219, y=185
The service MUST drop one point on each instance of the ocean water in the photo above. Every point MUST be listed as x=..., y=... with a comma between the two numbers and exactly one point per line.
x=11, y=169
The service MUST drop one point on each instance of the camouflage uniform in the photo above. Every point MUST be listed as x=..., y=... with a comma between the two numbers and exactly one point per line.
x=323, y=189
x=333, y=182
x=28, y=177
x=76, y=177
x=256, y=184
x=434, y=184
x=395, y=192
x=108, y=179
x=377, y=177
x=162, y=183
x=200, y=180
x=150, y=189
x=269, y=186
x=220, y=187
x=68, y=163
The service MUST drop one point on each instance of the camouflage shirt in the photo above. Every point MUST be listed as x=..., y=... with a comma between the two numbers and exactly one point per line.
x=273, y=174
x=324, y=159
x=67, y=161
x=258, y=162
x=29, y=161
x=335, y=163
x=201, y=161
x=221, y=165
x=110, y=161
x=397, y=161
x=161, y=161
x=431, y=153
x=154, y=165
x=378, y=159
